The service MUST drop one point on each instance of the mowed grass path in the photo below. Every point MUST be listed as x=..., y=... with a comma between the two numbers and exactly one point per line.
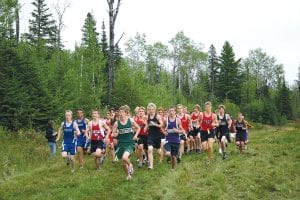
x=270, y=169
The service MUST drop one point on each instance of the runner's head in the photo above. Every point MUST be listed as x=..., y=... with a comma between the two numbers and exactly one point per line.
x=185, y=110
x=141, y=112
x=160, y=111
x=196, y=108
x=172, y=111
x=95, y=114
x=180, y=109
x=112, y=113
x=80, y=113
x=221, y=109
x=68, y=115
x=136, y=110
x=127, y=110
x=240, y=116
x=207, y=106
x=122, y=112
x=107, y=115
x=151, y=108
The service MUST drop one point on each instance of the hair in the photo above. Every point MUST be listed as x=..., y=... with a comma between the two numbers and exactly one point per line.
x=142, y=108
x=221, y=106
x=50, y=124
x=80, y=109
x=95, y=110
x=160, y=109
x=208, y=103
x=179, y=105
x=151, y=105
x=136, y=109
x=122, y=108
x=172, y=107
x=197, y=106
x=112, y=109
x=69, y=111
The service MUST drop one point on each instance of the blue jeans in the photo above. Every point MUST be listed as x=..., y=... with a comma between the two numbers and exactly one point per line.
x=52, y=146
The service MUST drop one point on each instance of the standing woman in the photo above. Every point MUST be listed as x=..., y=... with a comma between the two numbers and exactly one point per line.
x=70, y=132
x=123, y=131
x=51, y=137
x=208, y=123
x=241, y=131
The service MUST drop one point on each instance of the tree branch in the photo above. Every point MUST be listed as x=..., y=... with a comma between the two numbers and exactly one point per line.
x=119, y=40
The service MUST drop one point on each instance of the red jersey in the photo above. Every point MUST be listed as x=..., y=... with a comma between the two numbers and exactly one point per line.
x=195, y=119
x=97, y=132
x=207, y=122
x=142, y=125
x=184, y=123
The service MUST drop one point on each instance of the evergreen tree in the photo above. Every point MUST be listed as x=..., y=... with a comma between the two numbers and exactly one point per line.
x=229, y=82
x=42, y=27
x=213, y=66
x=284, y=107
x=7, y=18
x=90, y=34
x=104, y=43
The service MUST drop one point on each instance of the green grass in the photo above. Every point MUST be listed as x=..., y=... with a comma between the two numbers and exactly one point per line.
x=269, y=169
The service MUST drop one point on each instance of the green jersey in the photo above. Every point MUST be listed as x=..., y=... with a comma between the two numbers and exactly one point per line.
x=125, y=134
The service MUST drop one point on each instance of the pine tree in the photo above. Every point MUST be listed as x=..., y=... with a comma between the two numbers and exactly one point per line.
x=42, y=28
x=284, y=106
x=229, y=82
x=104, y=43
x=90, y=34
x=213, y=66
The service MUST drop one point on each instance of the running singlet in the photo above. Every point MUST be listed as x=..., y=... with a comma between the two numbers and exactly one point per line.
x=172, y=136
x=125, y=134
x=141, y=124
x=239, y=127
x=153, y=130
x=97, y=132
x=223, y=126
x=184, y=123
x=81, y=126
x=195, y=117
x=207, y=122
x=69, y=133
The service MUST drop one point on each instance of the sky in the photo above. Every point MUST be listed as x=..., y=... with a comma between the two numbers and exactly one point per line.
x=273, y=25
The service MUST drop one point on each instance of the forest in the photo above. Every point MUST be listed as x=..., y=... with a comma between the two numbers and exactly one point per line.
x=40, y=78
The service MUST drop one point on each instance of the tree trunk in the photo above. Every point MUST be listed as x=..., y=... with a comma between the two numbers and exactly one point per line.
x=113, y=13
x=17, y=10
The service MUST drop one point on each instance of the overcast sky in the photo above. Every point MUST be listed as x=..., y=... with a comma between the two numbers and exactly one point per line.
x=273, y=25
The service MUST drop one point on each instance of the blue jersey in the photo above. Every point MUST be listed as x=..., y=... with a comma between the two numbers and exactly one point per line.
x=69, y=133
x=172, y=136
x=81, y=126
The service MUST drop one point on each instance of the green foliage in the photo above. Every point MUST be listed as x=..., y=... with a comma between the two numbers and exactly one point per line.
x=229, y=78
x=42, y=28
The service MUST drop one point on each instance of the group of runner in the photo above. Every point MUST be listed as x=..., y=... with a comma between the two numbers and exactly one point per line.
x=171, y=132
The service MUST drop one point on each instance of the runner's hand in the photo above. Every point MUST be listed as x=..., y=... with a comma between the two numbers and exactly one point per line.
x=134, y=138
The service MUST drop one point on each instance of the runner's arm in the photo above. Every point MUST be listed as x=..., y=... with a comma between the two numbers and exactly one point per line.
x=76, y=129
x=229, y=121
x=215, y=122
x=137, y=128
x=114, y=130
x=59, y=131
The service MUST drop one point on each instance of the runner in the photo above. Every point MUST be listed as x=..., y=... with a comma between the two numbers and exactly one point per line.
x=96, y=129
x=70, y=130
x=173, y=129
x=240, y=129
x=110, y=147
x=154, y=124
x=224, y=125
x=123, y=131
x=186, y=125
x=81, y=139
x=208, y=122
x=141, y=120
x=194, y=134
x=162, y=134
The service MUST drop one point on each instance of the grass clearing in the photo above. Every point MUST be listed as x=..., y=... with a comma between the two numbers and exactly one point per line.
x=269, y=169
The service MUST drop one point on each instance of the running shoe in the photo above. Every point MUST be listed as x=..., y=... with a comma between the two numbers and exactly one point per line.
x=131, y=170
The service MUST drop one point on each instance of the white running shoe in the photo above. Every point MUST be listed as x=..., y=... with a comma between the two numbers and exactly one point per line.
x=220, y=151
x=128, y=178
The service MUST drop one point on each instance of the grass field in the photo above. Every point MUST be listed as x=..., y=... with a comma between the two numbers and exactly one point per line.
x=270, y=169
